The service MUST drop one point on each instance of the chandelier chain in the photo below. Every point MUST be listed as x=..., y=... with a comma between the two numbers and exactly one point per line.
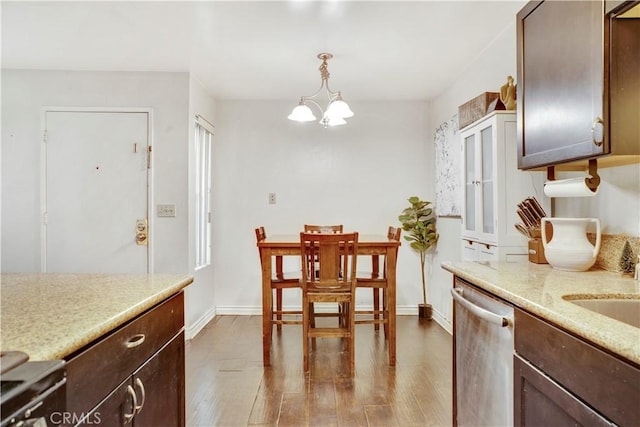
x=324, y=71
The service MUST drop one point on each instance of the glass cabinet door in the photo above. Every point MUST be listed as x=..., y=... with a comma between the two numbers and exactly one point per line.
x=470, y=183
x=487, y=198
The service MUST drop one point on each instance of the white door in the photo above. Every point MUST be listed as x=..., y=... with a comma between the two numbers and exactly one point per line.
x=96, y=167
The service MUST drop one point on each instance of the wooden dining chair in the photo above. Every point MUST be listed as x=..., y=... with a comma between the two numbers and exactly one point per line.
x=331, y=229
x=280, y=281
x=335, y=283
x=378, y=283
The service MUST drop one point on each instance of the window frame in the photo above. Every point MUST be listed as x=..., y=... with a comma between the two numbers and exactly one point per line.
x=203, y=142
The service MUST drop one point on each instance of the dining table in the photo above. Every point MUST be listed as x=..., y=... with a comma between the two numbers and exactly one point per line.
x=289, y=245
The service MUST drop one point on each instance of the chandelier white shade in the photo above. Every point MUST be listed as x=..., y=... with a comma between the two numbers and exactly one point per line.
x=336, y=111
x=302, y=113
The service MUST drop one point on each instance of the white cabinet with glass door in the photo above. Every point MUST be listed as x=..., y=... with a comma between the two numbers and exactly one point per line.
x=493, y=186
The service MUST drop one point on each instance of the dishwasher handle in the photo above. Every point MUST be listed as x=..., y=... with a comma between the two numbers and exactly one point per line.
x=487, y=315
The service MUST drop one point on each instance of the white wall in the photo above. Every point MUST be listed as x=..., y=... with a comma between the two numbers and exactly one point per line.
x=24, y=92
x=175, y=100
x=617, y=203
x=485, y=73
x=359, y=175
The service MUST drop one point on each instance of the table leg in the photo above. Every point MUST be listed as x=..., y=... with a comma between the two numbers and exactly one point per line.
x=267, y=306
x=390, y=267
x=375, y=269
x=280, y=276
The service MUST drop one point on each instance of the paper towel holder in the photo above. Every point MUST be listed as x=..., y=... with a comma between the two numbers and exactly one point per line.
x=592, y=181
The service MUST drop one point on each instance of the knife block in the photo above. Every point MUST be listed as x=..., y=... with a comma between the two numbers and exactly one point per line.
x=536, y=252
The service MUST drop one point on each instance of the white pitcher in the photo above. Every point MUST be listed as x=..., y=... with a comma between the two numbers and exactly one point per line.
x=569, y=248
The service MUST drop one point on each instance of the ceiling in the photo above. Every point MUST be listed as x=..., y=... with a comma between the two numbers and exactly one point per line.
x=263, y=50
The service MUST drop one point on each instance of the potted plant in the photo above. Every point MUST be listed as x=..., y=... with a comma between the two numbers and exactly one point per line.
x=419, y=221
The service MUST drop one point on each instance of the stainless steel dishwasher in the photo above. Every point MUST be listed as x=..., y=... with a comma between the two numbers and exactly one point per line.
x=483, y=349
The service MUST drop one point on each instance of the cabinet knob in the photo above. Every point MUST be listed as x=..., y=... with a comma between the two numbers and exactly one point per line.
x=597, y=131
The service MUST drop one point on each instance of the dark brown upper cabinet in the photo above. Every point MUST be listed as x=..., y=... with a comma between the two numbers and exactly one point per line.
x=578, y=83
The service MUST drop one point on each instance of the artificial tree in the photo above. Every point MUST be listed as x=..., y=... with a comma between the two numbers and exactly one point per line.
x=419, y=222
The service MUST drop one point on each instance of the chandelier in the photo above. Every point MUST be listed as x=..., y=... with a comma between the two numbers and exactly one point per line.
x=337, y=110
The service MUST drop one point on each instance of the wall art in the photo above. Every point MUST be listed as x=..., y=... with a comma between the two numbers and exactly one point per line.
x=448, y=169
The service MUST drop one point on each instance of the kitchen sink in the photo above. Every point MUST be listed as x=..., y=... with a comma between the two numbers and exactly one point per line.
x=625, y=310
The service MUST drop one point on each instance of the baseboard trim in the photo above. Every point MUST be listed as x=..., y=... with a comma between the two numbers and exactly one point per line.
x=443, y=322
x=193, y=330
x=257, y=311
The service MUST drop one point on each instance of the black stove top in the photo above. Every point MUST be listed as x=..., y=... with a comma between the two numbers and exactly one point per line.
x=25, y=384
x=11, y=359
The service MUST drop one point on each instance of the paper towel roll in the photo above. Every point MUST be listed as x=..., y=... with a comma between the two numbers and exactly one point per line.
x=572, y=187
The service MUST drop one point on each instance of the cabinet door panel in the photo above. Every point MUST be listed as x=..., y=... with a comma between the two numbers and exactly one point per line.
x=469, y=218
x=488, y=178
x=112, y=410
x=560, y=80
x=605, y=382
x=624, y=85
x=162, y=378
x=539, y=401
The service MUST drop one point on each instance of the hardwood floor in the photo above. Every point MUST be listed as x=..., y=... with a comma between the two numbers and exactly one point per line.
x=228, y=386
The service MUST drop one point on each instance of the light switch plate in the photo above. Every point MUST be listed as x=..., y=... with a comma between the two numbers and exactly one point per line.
x=166, y=210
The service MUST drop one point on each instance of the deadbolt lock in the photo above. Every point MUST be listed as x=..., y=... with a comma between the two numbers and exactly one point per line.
x=141, y=232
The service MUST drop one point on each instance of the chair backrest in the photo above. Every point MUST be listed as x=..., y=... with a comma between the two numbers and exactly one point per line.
x=260, y=234
x=333, y=256
x=325, y=229
x=394, y=233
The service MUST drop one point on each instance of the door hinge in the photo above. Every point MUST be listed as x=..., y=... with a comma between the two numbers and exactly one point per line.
x=209, y=217
x=44, y=136
x=45, y=218
x=149, y=157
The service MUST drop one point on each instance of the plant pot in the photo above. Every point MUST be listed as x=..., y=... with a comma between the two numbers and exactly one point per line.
x=425, y=311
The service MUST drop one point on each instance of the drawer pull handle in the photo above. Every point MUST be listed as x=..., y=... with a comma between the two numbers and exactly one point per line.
x=132, y=393
x=135, y=341
x=139, y=384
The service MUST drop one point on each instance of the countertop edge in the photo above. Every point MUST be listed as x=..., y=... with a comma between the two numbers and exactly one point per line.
x=115, y=322
x=572, y=322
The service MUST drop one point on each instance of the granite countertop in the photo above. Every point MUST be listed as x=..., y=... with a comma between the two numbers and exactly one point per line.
x=539, y=289
x=49, y=316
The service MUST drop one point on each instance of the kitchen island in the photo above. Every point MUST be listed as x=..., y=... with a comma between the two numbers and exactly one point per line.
x=50, y=316
x=122, y=337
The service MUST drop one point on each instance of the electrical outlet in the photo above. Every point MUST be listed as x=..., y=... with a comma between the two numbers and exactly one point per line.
x=166, y=210
x=272, y=198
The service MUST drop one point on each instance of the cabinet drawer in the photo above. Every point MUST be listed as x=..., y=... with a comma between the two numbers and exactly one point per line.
x=603, y=381
x=97, y=370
